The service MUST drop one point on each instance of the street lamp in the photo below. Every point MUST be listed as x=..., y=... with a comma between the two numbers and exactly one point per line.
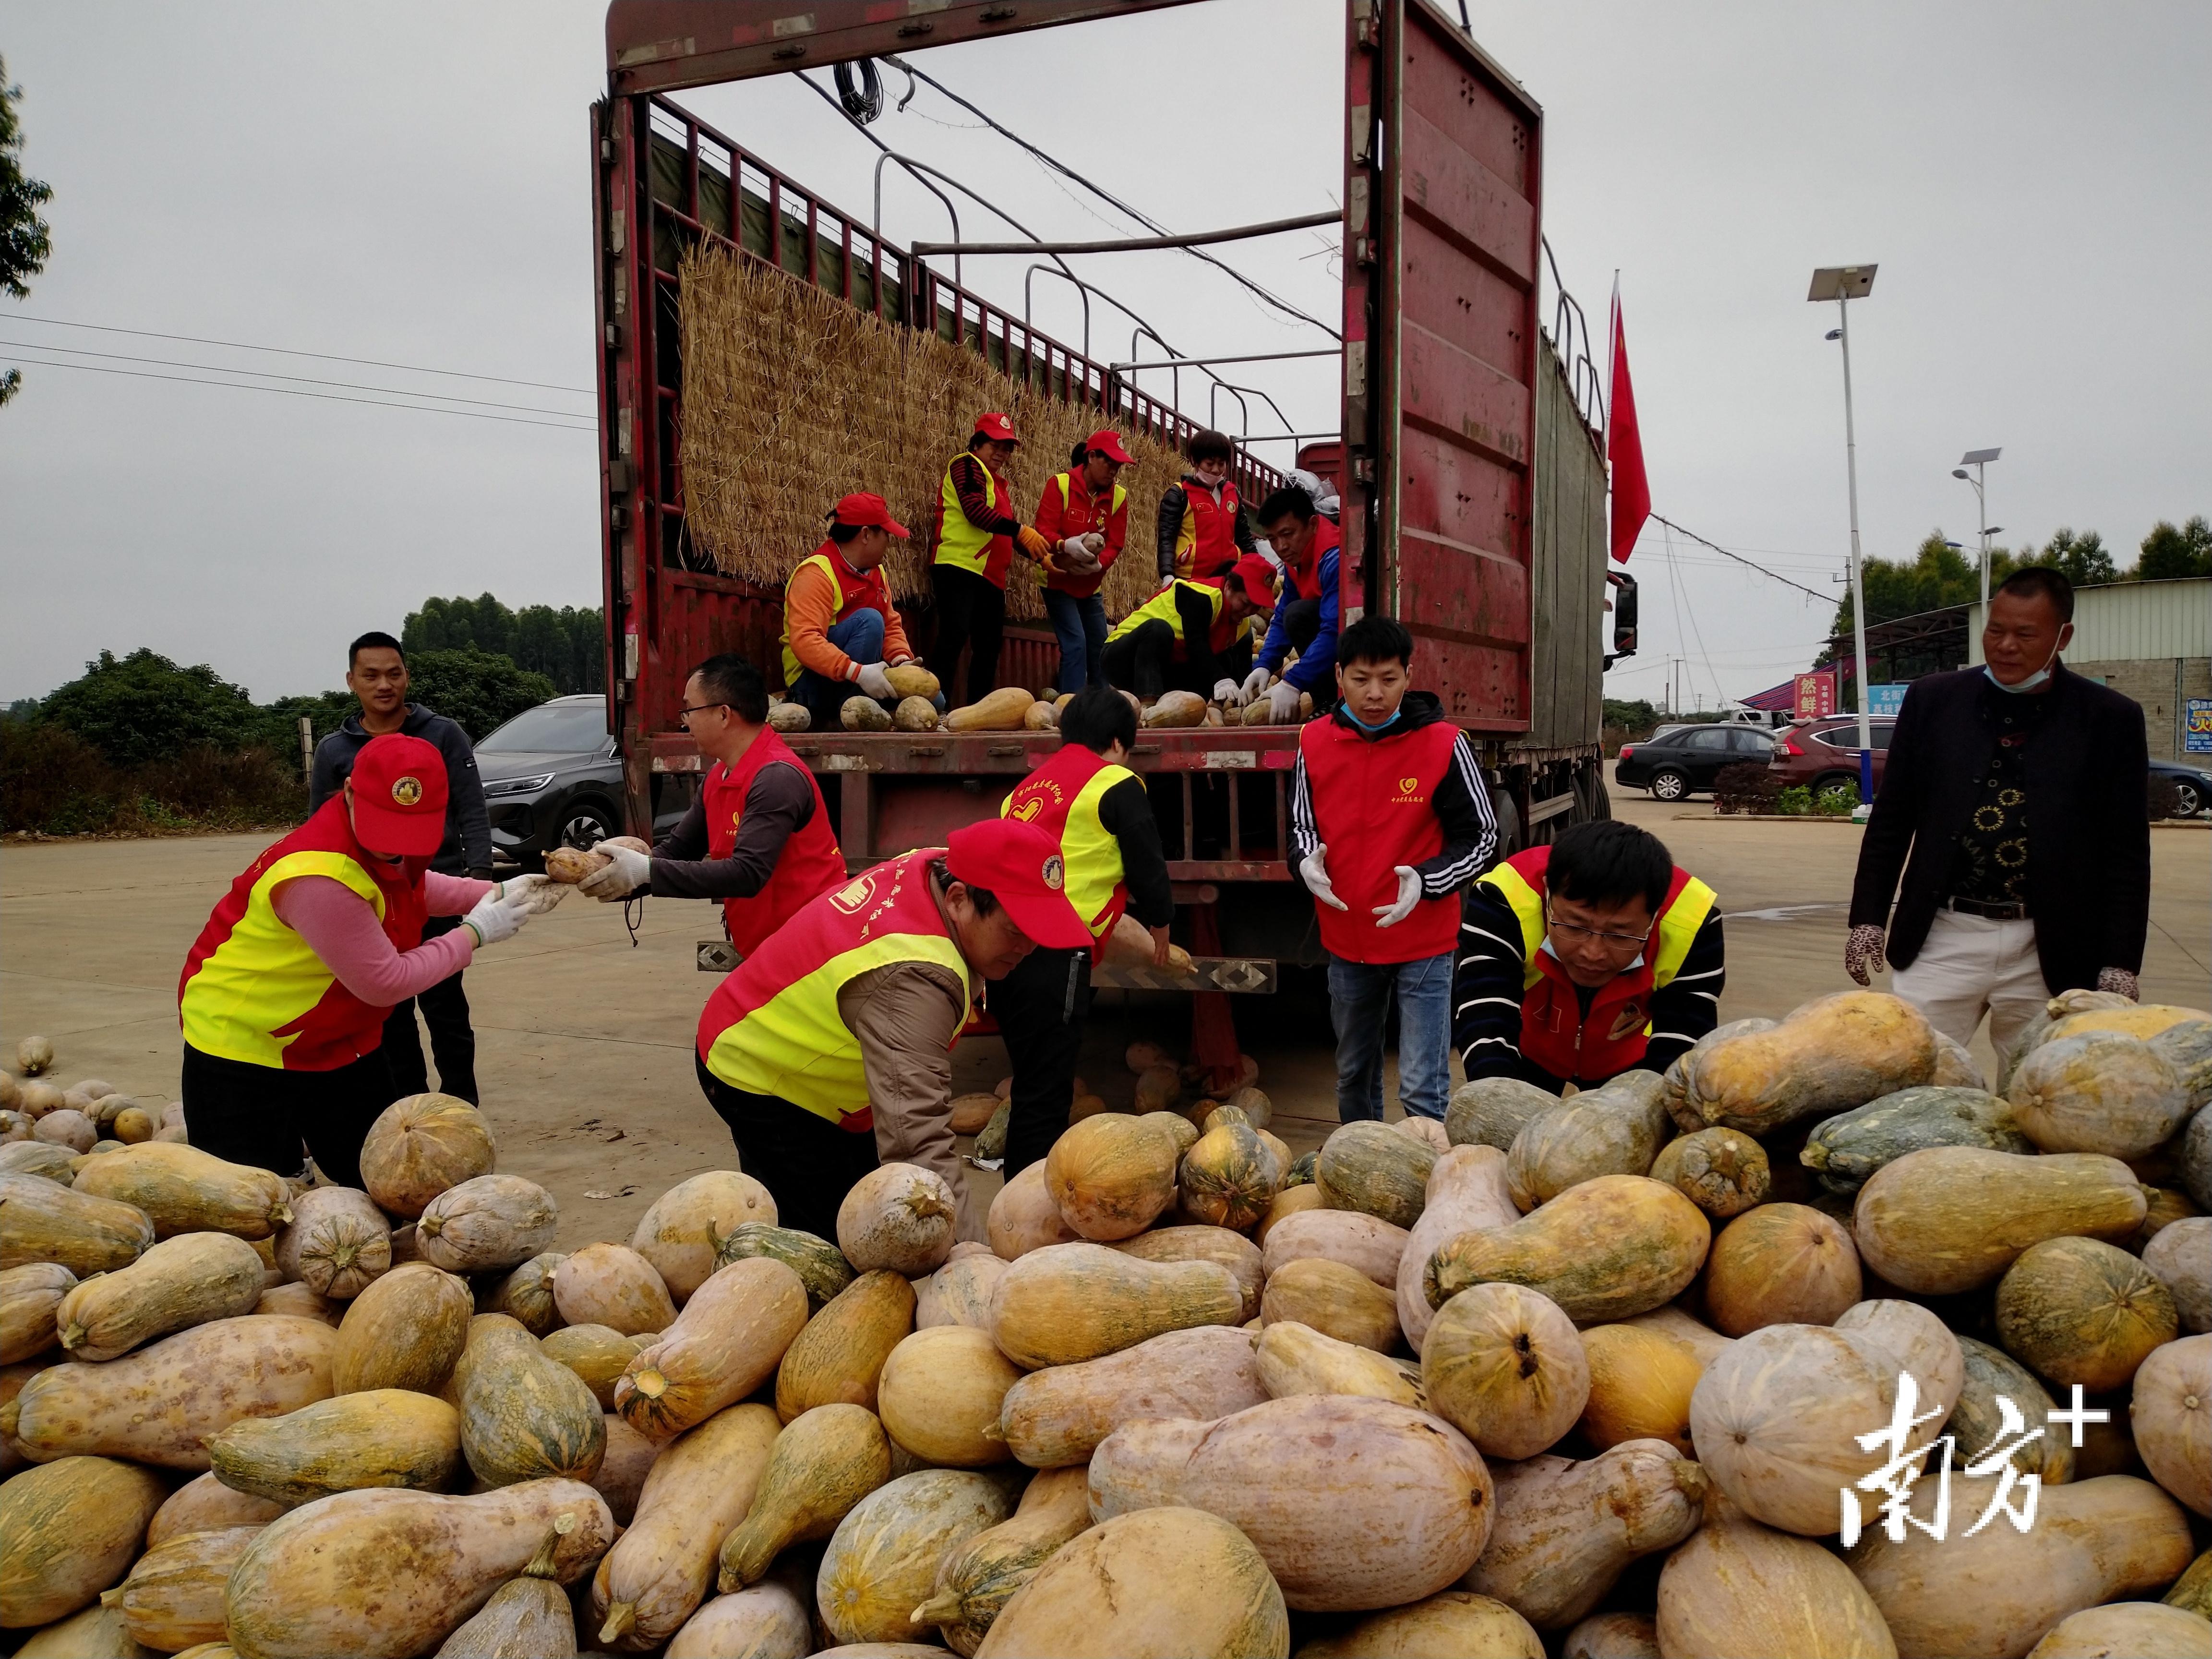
x=1978, y=458
x=1843, y=284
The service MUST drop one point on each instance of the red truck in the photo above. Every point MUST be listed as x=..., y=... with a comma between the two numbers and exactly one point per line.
x=1472, y=476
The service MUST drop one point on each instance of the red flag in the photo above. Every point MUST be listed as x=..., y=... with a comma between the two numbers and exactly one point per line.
x=1624, y=448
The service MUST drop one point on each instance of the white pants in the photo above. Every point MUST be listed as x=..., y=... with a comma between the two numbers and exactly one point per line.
x=1970, y=964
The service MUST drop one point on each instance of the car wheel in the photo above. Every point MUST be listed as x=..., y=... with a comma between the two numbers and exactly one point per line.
x=584, y=826
x=2188, y=800
x=1839, y=786
x=1668, y=785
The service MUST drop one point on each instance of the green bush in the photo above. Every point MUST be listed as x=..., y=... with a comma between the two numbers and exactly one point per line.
x=475, y=689
x=137, y=709
x=52, y=782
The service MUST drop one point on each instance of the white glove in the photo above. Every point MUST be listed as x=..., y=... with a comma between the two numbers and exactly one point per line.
x=497, y=917
x=1224, y=692
x=874, y=680
x=535, y=894
x=630, y=871
x=1409, y=895
x=1316, y=875
x=1255, y=683
x=1075, y=550
x=1093, y=544
x=1283, y=703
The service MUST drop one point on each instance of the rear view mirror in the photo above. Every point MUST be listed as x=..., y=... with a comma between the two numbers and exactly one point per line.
x=1624, y=613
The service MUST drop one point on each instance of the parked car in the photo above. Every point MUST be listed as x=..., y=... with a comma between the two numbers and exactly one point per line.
x=1823, y=755
x=1675, y=763
x=1767, y=720
x=551, y=779
x=2192, y=786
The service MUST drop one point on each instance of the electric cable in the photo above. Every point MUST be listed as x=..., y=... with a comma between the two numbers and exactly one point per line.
x=1824, y=598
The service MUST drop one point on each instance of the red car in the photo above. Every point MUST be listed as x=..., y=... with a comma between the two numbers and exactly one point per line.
x=1823, y=755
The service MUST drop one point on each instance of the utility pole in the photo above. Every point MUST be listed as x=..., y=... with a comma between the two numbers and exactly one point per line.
x=1841, y=283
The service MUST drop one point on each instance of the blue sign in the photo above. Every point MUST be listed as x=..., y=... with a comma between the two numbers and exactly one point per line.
x=1885, y=699
x=2197, y=728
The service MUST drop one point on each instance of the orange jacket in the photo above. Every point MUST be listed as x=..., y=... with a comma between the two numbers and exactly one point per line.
x=813, y=604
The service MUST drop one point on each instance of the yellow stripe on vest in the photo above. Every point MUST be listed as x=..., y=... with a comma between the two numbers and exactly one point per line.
x=959, y=542
x=821, y=562
x=1161, y=607
x=1678, y=927
x=1090, y=853
x=265, y=976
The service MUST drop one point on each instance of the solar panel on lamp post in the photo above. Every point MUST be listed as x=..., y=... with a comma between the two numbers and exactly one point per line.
x=1843, y=284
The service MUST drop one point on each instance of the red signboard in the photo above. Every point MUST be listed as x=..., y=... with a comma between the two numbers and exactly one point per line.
x=1816, y=696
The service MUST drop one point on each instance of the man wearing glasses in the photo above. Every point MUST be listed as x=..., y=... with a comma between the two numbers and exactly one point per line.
x=1595, y=956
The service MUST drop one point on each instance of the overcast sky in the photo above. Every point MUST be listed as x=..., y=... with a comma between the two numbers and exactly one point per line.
x=409, y=184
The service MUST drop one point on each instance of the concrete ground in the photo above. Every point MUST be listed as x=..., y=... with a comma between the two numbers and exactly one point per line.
x=585, y=1036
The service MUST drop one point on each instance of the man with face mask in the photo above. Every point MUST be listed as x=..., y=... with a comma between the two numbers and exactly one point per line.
x=2018, y=789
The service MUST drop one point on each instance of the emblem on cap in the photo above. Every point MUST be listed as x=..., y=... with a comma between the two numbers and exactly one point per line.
x=405, y=792
x=1053, y=878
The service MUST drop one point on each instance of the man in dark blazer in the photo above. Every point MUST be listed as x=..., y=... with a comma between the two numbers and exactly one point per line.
x=2019, y=789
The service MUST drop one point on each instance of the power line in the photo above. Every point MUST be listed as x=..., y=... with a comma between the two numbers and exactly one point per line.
x=1696, y=632
x=1824, y=598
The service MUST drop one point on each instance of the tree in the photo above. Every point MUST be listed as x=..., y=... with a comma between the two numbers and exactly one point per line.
x=24, y=243
x=143, y=706
x=2168, y=553
x=477, y=690
x=1938, y=576
x=2082, y=559
x=566, y=646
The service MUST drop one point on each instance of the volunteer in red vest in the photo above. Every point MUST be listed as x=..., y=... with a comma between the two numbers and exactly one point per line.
x=1086, y=798
x=841, y=630
x=1201, y=526
x=1389, y=818
x=1174, y=640
x=1595, y=956
x=831, y=1047
x=1084, y=514
x=284, y=993
x=976, y=534
x=1305, y=619
x=758, y=836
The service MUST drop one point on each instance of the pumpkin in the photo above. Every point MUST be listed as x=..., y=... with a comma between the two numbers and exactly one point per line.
x=1592, y=1134
x=595, y=1353
x=1111, y=1175
x=161, y=1403
x=1289, y=1202
x=2136, y=1019
x=1024, y=1217
x=958, y=1293
x=766, y=1621
x=1159, y=1087
x=941, y=1394
x=203, y=1504
x=2197, y=1159
x=1176, y=708
x=699, y=1488
x=2172, y=1416
x=1955, y=1066
x=487, y=1222
x=969, y=1113
x=2187, y=1046
x=389, y=1573
x=405, y=1331
x=1228, y=1177
x=789, y=716
x=1736, y=1590
x=1001, y=711
x=68, y=1530
x=1908, y=1338
x=1199, y=1243
x=1564, y=1532
x=336, y=1243
x=864, y=714
x=976, y=1580
x=1641, y=1381
x=1844, y=1150
x=2101, y=1092
x=1389, y=1505
x=1505, y=1366
x=898, y=1216
x=818, y=1469
x=420, y=1146
x=1993, y=1595
x=66, y=1128
x=1722, y=1171
x=681, y=1233
x=133, y=1125
x=2143, y=1629
x=2180, y=1254
x=611, y=1286
x=621, y=1478
x=1780, y=1264
x=1068, y=1303
x=882, y=1559
x=43, y=1221
x=1295, y=1358
x=1610, y=1247
x=2076, y=1311
x=1706, y=1343
x=1339, y=1301
x=911, y=679
x=841, y=1352
x=28, y=1297
x=1451, y=1622
x=1978, y=1421
x=378, y=1438
x=98, y=1632
x=2192, y=1591
x=525, y=1294
x=172, y=1599
x=1835, y=1053
x=1364, y=1166
x=57, y=1164
x=728, y=1340
x=185, y=1190
x=1056, y=1418
x=526, y=1617
x=1613, y=1636
x=1466, y=1194
x=1361, y=1242
x=820, y=1265
x=1953, y=1218
x=1491, y=1111
x=524, y=1415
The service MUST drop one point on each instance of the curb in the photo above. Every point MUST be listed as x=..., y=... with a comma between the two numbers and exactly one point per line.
x=1762, y=817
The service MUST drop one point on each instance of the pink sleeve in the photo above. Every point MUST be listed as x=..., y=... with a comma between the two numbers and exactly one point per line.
x=452, y=895
x=340, y=926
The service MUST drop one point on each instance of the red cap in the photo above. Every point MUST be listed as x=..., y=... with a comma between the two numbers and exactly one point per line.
x=996, y=428
x=863, y=508
x=1021, y=865
x=399, y=795
x=1259, y=579
x=1108, y=444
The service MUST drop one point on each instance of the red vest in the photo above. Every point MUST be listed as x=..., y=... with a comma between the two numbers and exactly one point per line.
x=1061, y=799
x=810, y=865
x=1374, y=806
x=1304, y=582
x=268, y=964
x=1213, y=528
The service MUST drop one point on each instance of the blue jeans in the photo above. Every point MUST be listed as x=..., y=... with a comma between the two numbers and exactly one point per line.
x=859, y=636
x=1360, y=1007
x=1080, y=624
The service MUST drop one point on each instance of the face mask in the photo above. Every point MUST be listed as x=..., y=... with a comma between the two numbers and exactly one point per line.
x=2034, y=680
x=1379, y=725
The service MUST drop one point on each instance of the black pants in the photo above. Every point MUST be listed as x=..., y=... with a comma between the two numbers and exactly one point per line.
x=1301, y=622
x=1143, y=660
x=1039, y=1008
x=258, y=1115
x=807, y=1163
x=971, y=612
x=452, y=1039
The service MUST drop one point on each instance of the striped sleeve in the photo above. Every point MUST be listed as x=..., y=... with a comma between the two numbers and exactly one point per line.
x=1688, y=1005
x=1486, y=987
x=1462, y=802
x=1304, y=835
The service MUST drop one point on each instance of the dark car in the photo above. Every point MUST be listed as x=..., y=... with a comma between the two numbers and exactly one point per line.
x=551, y=779
x=1675, y=764
x=2192, y=786
x=1823, y=755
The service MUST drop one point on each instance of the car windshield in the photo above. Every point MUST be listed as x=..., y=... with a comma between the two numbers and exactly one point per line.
x=573, y=728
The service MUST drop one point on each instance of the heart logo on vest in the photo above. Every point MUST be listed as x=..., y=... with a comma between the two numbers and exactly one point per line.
x=406, y=792
x=1027, y=810
x=1407, y=786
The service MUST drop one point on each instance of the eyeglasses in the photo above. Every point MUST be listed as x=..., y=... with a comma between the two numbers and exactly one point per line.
x=686, y=714
x=1611, y=941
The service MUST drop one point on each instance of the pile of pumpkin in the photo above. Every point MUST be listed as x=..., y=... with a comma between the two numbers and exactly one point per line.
x=1591, y=1377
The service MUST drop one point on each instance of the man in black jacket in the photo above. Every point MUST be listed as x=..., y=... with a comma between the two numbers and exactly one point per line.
x=376, y=673
x=2019, y=789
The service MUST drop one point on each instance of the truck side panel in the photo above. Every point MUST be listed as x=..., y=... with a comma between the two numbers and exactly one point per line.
x=1569, y=664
